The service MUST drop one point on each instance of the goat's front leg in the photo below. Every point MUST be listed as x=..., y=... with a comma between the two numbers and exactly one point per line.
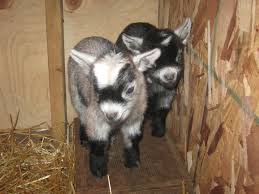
x=158, y=120
x=99, y=143
x=132, y=135
x=159, y=112
x=83, y=136
x=98, y=161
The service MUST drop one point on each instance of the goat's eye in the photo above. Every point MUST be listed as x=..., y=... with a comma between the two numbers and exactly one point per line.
x=130, y=90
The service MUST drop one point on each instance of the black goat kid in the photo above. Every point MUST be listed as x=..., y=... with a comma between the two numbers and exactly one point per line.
x=163, y=79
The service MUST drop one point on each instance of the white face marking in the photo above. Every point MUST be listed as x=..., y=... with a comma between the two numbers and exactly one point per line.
x=117, y=111
x=166, y=41
x=131, y=131
x=107, y=69
x=165, y=72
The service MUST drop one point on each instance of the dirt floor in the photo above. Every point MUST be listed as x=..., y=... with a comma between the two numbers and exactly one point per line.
x=161, y=170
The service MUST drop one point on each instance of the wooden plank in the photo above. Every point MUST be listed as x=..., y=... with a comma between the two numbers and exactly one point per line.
x=226, y=159
x=55, y=43
x=24, y=78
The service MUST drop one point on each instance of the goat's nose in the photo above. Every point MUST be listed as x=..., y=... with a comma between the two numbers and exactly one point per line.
x=169, y=77
x=111, y=116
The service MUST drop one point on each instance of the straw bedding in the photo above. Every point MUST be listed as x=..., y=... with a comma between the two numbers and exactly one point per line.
x=31, y=161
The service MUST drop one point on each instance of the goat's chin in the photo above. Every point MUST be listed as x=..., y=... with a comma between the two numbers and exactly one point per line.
x=168, y=85
x=116, y=123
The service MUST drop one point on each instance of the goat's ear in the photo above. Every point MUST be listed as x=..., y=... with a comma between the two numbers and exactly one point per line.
x=132, y=43
x=146, y=60
x=83, y=59
x=184, y=30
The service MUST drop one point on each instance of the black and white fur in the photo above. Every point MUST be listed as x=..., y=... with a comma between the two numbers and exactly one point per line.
x=163, y=79
x=108, y=92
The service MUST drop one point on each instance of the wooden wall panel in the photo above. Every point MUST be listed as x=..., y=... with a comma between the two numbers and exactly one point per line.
x=103, y=18
x=221, y=131
x=24, y=80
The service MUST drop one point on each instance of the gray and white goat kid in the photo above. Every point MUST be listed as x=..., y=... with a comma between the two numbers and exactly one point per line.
x=163, y=79
x=108, y=92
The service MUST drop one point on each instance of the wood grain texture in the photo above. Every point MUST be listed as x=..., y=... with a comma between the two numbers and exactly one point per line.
x=163, y=13
x=23, y=64
x=4, y=4
x=55, y=43
x=104, y=18
x=224, y=133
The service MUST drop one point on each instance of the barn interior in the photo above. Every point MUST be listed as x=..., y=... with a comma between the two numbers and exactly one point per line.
x=211, y=142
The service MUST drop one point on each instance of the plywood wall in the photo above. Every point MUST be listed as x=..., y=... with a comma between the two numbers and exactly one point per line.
x=215, y=118
x=24, y=74
x=84, y=18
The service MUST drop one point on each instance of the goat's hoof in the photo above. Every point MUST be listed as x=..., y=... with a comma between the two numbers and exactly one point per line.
x=158, y=129
x=131, y=157
x=131, y=164
x=98, y=165
x=158, y=132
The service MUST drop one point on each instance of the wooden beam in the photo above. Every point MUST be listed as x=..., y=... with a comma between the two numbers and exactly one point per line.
x=55, y=45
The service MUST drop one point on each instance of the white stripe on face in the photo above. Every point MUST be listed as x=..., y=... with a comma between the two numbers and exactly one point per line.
x=107, y=69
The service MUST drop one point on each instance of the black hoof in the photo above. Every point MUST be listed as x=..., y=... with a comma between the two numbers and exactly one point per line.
x=98, y=165
x=131, y=157
x=158, y=132
x=158, y=129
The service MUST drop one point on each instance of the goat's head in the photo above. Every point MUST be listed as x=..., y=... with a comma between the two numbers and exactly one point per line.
x=169, y=66
x=118, y=80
